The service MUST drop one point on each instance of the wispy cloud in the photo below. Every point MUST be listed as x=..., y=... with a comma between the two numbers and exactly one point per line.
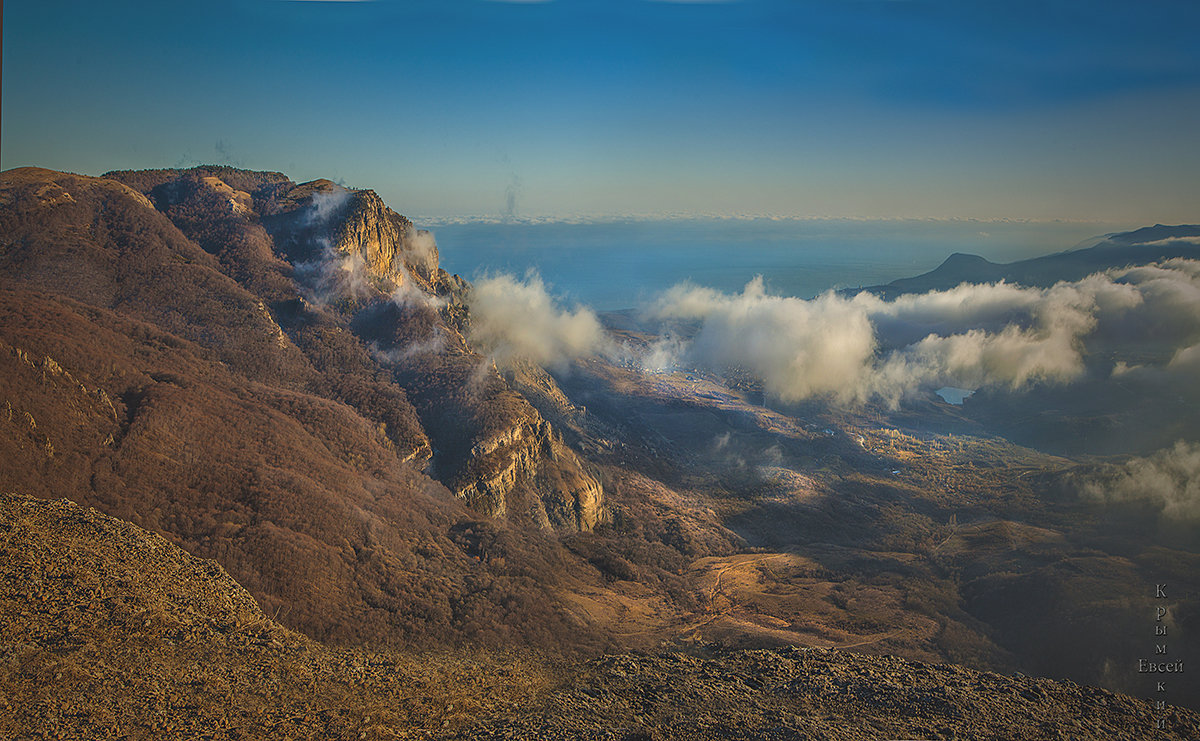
x=1168, y=480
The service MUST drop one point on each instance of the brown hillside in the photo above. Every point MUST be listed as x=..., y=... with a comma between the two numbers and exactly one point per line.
x=260, y=371
x=301, y=499
x=365, y=281
x=112, y=632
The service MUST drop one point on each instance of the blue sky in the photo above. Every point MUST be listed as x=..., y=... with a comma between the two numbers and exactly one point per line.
x=843, y=108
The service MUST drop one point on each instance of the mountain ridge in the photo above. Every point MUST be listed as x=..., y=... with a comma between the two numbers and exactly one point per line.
x=1114, y=251
x=362, y=252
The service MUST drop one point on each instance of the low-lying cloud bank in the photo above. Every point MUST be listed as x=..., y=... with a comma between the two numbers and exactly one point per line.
x=997, y=335
x=1168, y=480
x=855, y=349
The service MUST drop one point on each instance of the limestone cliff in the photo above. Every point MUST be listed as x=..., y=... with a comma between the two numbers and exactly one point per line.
x=495, y=450
x=492, y=446
x=530, y=456
x=388, y=243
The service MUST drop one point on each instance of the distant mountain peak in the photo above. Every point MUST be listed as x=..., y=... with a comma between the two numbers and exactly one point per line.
x=1117, y=250
x=965, y=258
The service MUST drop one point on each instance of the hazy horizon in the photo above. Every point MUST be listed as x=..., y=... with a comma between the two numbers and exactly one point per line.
x=799, y=258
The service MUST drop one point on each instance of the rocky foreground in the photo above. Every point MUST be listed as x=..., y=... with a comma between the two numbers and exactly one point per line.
x=797, y=693
x=108, y=631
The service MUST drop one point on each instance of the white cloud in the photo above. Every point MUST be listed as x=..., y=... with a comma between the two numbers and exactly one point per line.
x=408, y=293
x=435, y=343
x=421, y=249
x=854, y=349
x=326, y=203
x=999, y=335
x=799, y=348
x=1186, y=360
x=518, y=320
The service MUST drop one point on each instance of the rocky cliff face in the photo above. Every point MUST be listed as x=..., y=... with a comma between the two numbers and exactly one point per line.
x=322, y=216
x=531, y=457
x=389, y=244
x=499, y=454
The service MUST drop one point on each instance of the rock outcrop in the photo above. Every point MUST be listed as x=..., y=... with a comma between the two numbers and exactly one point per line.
x=531, y=456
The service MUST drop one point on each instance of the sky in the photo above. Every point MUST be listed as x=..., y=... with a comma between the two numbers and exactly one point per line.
x=805, y=108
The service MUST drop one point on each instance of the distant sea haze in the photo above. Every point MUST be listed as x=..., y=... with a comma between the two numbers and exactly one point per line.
x=617, y=265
